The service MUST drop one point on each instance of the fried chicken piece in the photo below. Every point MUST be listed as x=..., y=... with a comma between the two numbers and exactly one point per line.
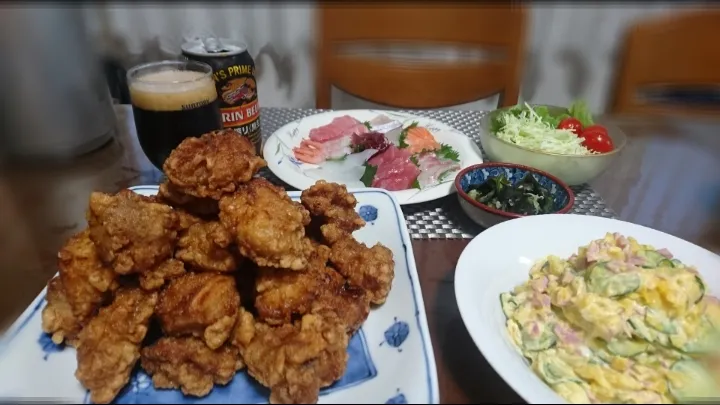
x=282, y=294
x=294, y=360
x=109, y=346
x=57, y=316
x=156, y=278
x=205, y=207
x=188, y=364
x=186, y=220
x=204, y=305
x=87, y=282
x=332, y=204
x=345, y=303
x=206, y=246
x=332, y=233
x=371, y=269
x=268, y=226
x=132, y=233
x=212, y=165
x=285, y=294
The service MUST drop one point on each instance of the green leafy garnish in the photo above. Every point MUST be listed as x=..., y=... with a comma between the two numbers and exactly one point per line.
x=368, y=175
x=446, y=151
x=414, y=160
x=367, y=125
x=416, y=184
x=403, y=135
x=581, y=112
x=338, y=159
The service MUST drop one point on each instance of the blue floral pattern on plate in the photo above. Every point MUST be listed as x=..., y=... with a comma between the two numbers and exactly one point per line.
x=48, y=346
x=397, y=399
x=396, y=334
x=514, y=175
x=368, y=212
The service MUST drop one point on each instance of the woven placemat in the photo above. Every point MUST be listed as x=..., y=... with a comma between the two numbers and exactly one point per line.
x=442, y=218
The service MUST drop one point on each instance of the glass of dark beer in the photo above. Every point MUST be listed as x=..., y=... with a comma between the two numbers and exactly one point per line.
x=172, y=100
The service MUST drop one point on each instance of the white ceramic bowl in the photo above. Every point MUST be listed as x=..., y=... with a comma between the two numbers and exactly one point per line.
x=573, y=170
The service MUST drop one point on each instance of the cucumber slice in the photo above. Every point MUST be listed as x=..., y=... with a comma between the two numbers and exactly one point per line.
x=606, y=283
x=666, y=263
x=628, y=348
x=508, y=303
x=641, y=330
x=597, y=273
x=677, y=263
x=553, y=370
x=659, y=321
x=701, y=286
x=696, y=382
x=535, y=342
x=653, y=259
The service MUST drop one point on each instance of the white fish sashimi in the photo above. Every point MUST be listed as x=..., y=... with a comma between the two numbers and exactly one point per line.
x=347, y=171
x=384, y=124
x=393, y=136
x=434, y=170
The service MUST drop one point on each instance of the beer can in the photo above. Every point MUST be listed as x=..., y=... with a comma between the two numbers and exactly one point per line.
x=234, y=74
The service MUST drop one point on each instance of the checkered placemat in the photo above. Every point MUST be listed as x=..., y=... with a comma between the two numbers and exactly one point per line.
x=442, y=218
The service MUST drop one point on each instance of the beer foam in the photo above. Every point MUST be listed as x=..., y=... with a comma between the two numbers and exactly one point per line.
x=172, y=90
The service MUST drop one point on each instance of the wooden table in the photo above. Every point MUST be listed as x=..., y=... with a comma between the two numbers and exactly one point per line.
x=667, y=178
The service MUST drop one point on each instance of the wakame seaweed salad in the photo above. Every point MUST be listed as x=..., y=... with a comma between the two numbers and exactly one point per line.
x=527, y=197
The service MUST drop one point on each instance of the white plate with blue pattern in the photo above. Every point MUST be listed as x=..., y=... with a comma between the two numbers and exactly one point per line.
x=391, y=357
x=278, y=152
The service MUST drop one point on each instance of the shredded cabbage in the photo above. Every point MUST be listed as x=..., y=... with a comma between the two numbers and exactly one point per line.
x=528, y=130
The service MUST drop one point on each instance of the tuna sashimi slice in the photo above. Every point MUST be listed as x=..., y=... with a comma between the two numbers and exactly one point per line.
x=390, y=153
x=339, y=127
x=394, y=171
x=396, y=175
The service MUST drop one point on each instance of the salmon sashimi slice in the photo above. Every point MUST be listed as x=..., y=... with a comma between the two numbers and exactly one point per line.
x=419, y=139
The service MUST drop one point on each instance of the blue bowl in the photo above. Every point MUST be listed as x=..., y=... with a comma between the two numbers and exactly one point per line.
x=486, y=216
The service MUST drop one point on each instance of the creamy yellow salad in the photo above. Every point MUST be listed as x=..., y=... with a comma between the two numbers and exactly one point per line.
x=618, y=322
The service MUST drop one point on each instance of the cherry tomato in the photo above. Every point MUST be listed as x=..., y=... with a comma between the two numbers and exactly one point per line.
x=596, y=138
x=572, y=124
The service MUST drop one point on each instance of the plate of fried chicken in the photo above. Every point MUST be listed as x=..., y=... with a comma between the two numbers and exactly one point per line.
x=220, y=287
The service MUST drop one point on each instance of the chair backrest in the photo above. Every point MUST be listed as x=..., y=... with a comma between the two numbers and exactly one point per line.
x=677, y=51
x=416, y=84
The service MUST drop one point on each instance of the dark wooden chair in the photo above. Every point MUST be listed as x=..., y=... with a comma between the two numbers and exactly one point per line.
x=670, y=64
x=420, y=84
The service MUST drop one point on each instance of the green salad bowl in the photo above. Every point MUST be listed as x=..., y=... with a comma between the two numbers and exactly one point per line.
x=571, y=169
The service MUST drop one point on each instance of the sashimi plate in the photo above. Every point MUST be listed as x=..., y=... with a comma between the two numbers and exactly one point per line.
x=350, y=168
x=391, y=357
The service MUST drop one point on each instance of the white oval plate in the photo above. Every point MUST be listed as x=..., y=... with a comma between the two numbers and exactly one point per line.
x=499, y=259
x=277, y=151
x=390, y=358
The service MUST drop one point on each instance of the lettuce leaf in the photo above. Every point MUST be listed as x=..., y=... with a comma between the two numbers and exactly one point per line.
x=580, y=111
